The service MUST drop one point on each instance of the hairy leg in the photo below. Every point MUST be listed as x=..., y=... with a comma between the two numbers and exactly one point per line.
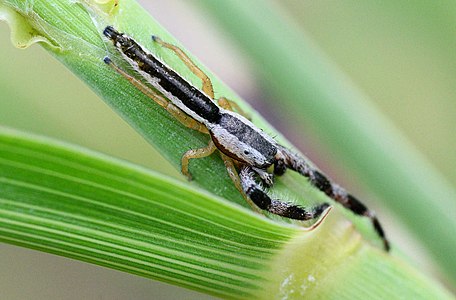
x=257, y=194
x=207, y=84
x=320, y=181
x=232, y=106
x=196, y=153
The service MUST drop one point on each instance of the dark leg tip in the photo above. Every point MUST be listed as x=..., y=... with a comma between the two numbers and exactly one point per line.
x=386, y=245
x=107, y=60
x=318, y=210
x=110, y=32
x=155, y=38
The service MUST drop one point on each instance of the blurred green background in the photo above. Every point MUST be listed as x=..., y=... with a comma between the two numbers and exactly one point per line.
x=402, y=55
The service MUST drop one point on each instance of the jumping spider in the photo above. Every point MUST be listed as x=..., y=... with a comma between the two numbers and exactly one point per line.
x=247, y=151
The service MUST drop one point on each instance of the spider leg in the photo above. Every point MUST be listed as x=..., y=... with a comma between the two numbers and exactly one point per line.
x=232, y=106
x=233, y=173
x=207, y=84
x=185, y=119
x=257, y=194
x=266, y=178
x=332, y=190
x=196, y=153
x=159, y=99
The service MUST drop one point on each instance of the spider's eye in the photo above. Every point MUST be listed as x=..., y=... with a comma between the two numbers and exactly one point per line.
x=246, y=152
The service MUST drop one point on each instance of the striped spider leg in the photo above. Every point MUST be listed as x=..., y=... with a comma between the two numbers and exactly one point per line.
x=246, y=150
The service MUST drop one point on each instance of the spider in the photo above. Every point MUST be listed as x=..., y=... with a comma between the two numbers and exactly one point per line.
x=247, y=151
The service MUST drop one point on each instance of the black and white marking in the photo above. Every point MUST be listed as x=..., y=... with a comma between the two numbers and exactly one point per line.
x=238, y=138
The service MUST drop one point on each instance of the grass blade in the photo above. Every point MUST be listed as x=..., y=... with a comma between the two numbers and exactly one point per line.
x=80, y=204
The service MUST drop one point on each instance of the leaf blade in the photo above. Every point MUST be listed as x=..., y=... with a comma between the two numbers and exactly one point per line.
x=139, y=227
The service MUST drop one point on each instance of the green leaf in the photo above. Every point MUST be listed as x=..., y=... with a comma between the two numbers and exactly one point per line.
x=81, y=204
